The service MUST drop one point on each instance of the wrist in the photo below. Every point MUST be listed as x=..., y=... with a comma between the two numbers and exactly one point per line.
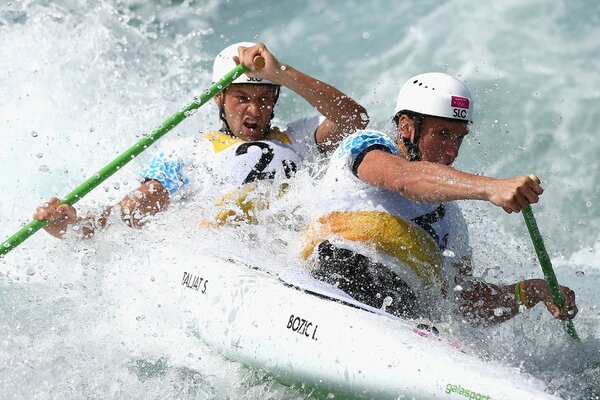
x=536, y=290
x=523, y=295
x=486, y=188
x=285, y=75
x=85, y=227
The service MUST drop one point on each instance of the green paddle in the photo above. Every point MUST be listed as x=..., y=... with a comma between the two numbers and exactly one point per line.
x=540, y=249
x=87, y=186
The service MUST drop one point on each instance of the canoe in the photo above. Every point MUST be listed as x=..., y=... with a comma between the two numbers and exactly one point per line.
x=306, y=332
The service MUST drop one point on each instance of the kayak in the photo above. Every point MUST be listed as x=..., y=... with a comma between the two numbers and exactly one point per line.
x=306, y=332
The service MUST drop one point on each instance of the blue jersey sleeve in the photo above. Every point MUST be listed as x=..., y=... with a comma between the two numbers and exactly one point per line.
x=357, y=145
x=168, y=170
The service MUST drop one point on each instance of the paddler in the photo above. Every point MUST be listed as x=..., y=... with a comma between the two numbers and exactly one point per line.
x=244, y=150
x=389, y=231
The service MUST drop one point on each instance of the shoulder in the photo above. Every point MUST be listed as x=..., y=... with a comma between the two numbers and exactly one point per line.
x=363, y=140
x=178, y=147
x=174, y=154
x=306, y=125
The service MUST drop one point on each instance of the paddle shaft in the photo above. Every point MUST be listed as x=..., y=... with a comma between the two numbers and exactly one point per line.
x=80, y=191
x=540, y=249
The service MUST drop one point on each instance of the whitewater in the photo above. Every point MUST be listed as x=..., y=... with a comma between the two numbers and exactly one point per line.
x=81, y=81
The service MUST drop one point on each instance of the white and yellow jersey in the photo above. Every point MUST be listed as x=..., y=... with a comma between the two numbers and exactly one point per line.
x=416, y=240
x=224, y=169
x=216, y=162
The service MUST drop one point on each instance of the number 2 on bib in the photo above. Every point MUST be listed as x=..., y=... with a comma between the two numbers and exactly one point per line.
x=258, y=171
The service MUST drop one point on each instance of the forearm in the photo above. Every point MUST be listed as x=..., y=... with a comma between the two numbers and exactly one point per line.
x=422, y=181
x=436, y=183
x=150, y=198
x=329, y=101
x=484, y=303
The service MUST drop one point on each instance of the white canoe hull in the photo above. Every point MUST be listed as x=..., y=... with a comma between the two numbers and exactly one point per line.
x=251, y=316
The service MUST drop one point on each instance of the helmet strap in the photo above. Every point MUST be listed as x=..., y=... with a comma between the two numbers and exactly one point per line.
x=225, y=128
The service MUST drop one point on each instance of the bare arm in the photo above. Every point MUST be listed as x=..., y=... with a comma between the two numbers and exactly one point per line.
x=437, y=183
x=485, y=303
x=150, y=198
x=344, y=115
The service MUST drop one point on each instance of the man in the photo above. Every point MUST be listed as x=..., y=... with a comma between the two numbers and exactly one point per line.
x=390, y=233
x=245, y=150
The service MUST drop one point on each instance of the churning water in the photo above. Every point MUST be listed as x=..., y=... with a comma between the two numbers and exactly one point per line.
x=81, y=81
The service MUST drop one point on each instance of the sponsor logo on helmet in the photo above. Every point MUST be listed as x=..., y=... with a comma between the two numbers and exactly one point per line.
x=460, y=102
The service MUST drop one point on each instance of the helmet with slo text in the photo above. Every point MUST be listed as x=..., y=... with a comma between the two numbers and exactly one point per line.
x=436, y=94
x=224, y=63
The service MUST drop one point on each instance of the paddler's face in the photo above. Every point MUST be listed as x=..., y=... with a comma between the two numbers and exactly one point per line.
x=248, y=109
x=440, y=138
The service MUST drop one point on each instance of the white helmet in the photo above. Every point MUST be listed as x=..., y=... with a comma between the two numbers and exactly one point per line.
x=224, y=63
x=436, y=94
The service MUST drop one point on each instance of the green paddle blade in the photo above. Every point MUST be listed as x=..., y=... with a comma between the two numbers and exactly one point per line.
x=80, y=191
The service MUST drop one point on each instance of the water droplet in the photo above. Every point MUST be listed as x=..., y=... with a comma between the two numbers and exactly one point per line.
x=34, y=134
x=39, y=155
x=140, y=317
x=366, y=35
x=588, y=204
x=579, y=273
x=44, y=168
x=117, y=185
x=30, y=272
x=448, y=253
x=283, y=67
x=92, y=129
x=387, y=301
x=364, y=117
x=152, y=279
